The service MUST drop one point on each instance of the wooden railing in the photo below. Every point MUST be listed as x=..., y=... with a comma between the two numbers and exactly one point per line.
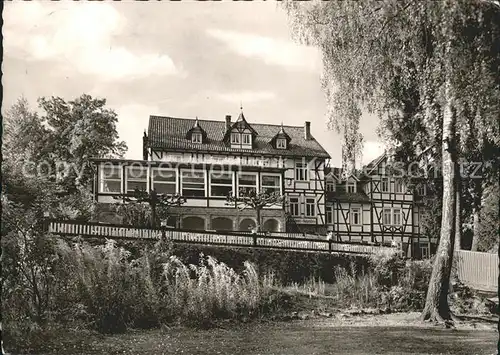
x=240, y=239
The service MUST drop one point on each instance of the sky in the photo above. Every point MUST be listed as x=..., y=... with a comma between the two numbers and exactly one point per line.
x=181, y=59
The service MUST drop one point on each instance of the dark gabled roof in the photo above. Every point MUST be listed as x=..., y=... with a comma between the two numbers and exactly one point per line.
x=170, y=133
x=347, y=196
x=375, y=162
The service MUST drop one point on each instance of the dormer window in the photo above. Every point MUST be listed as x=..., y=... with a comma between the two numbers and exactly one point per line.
x=351, y=186
x=281, y=139
x=247, y=138
x=281, y=143
x=235, y=138
x=196, y=134
x=197, y=138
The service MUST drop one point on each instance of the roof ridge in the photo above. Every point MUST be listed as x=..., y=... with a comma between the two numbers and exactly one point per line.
x=221, y=121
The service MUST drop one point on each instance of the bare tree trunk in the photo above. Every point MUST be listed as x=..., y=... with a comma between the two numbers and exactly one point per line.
x=477, y=193
x=458, y=215
x=458, y=229
x=257, y=210
x=476, y=223
x=436, y=303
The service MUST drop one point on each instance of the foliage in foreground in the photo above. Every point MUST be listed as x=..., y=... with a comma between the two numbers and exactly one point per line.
x=390, y=283
x=107, y=289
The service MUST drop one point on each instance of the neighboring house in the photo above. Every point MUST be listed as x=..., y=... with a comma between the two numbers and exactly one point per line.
x=205, y=160
x=376, y=205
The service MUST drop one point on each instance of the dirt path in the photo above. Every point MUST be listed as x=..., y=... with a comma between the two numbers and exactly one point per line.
x=356, y=335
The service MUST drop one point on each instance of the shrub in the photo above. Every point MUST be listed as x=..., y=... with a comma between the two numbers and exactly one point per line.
x=200, y=293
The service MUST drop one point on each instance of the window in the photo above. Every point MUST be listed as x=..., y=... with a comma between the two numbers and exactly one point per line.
x=330, y=186
x=386, y=216
x=221, y=183
x=396, y=217
x=383, y=167
x=271, y=184
x=164, y=181
x=111, y=179
x=399, y=186
x=294, y=206
x=329, y=214
x=193, y=183
x=281, y=143
x=235, y=138
x=137, y=178
x=422, y=190
x=391, y=217
x=424, y=251
x=300, y=171
x=351, y=186
x=196, y=138
x=355, y=216
x=247, y=138
x=385, y=185
x=310, y=207
x=247, y=182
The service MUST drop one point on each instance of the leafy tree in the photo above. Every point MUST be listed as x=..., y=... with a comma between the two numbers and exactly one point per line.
x=79, y=130
x=443, y=56
x=249, y=198
x=487, y=239
x=24, y=141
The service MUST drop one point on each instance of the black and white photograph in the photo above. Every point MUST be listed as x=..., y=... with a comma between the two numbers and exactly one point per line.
x=250, y=177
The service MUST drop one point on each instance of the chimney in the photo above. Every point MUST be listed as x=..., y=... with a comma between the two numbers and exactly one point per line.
x=307, y=130
x=228, y=122
x=145, y=147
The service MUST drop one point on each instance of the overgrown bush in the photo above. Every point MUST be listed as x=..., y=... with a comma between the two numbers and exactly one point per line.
x=390, y=283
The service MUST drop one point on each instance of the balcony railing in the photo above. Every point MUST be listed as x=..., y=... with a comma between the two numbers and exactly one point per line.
x=281, y=241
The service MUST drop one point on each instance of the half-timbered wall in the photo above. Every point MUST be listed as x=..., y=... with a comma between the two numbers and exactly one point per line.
x=305, y=185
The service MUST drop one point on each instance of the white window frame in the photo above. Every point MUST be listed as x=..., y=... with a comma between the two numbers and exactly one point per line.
x=127, y=179
x=351, y=186
x=422, y=190
x=235, y=138
x=294, y=206
x=386, y=180
x=181, y=188
x=400, y=213
x=220, y=184
x=392, y=214
x=162, y=170
x=355, y=211
x=399, y=186
x=387, y=212
x=240, y=173
x=281, y=143
x=263, y=187
x=310, y=206
x=424, y=251
x=301, y=171
x=196, y=138
x=329, y=214
x=102, y=179
x=246, y=138
x=330, y=186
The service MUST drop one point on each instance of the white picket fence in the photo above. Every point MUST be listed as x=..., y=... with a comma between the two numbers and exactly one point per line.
x=478, y=270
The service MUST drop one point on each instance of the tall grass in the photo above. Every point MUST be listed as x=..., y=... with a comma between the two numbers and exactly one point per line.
x=118, y=291
x=389, y=282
